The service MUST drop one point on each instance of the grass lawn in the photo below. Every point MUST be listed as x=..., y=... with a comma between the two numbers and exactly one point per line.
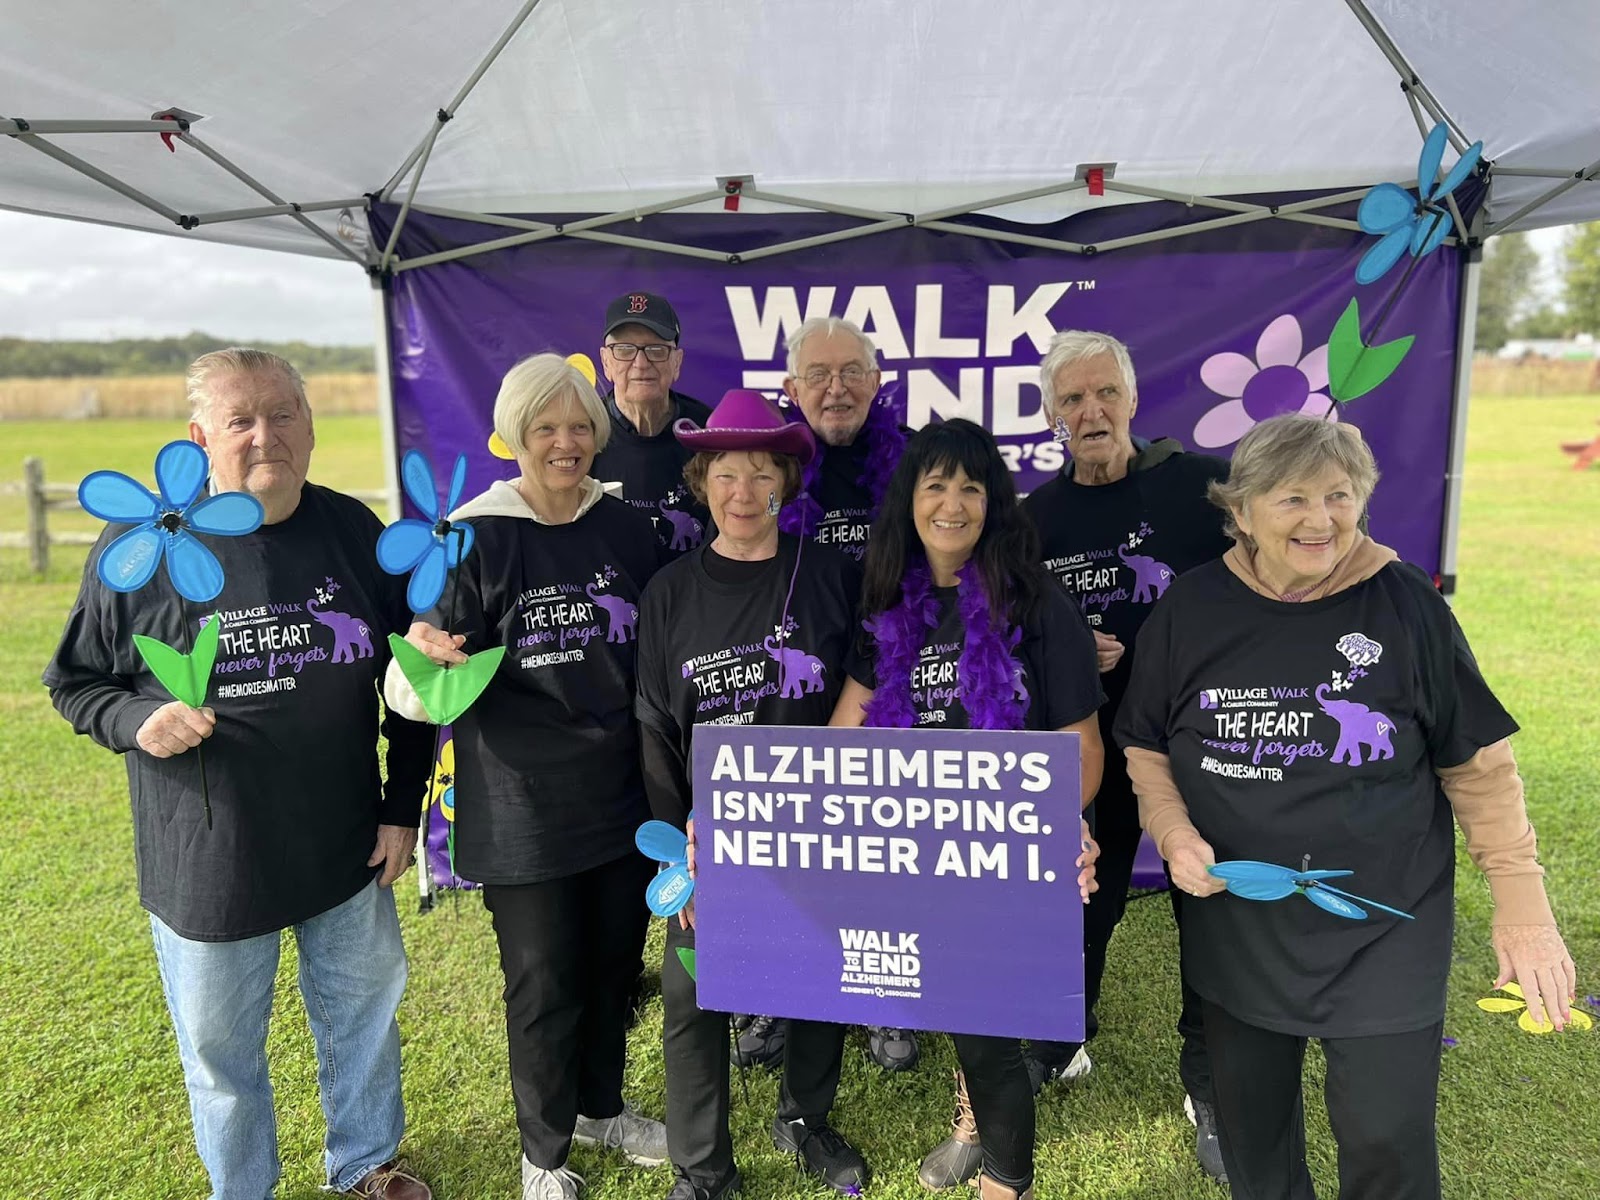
x=89, y=1075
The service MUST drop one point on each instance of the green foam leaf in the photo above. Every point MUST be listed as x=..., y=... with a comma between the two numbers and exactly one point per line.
x=445, y=692
x=1355, y=368
x=186, y=676
x=686, y=957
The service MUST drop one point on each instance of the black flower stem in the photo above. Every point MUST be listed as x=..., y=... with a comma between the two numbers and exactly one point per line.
x=1367, y=339
x=200, y=750
x=438, y=730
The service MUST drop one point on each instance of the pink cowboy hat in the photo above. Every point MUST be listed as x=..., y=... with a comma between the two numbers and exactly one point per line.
x=746, y=420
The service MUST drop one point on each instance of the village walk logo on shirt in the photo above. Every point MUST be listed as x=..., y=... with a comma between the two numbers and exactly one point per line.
x=936, y=682
x=1098, y=582
x=560, y=620
x=880, y=962
x=846, y=529
x=280, y=639
x=1263, y=731
x=736, y=678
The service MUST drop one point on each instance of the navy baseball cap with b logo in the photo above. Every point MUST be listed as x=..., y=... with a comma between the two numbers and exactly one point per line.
x=643, y=308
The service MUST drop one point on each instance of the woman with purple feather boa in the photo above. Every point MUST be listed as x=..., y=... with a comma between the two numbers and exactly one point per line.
x=962, y=630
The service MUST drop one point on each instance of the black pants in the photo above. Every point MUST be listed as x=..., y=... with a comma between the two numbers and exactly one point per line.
x=1114, y=820
x=695, y=1047
x=1002, y=1103
x=569, y=949
x=1382, y=1094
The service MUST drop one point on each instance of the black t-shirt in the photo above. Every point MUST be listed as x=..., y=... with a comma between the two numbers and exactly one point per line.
x=847, y=511
x=1116, y=547
x=718, y=651
x=547, y=759
x=650, y=470
x=292, y=766
x=1315, y=729
x=1055, y=666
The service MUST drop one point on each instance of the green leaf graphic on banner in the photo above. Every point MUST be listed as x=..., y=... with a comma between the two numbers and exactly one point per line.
x=445, y=692
x=686, y=957
x=1355, y=368
x=186, y=676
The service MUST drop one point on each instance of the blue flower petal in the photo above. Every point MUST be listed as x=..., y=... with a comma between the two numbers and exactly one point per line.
x=1383, y=208
x=457, y=548
x=229, y=514
x=112, y=496
x=1382, y=255
x=662, y=842
x=127, y=564
x=416, y=473
x=458, y=480
x=427, y=579
x=1431, y=230
x=194, y=570
x=402, y=545
x=181, y=469
x=669, y=891
x=1337, y=905
x=1428, y=160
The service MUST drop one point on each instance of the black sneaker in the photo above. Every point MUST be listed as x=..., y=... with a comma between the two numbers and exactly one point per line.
x=1207, y=1145
x=761, y=1043
x=893, y=1049
x=1041, y=1073
x=684, y=1188
x=821, y=1150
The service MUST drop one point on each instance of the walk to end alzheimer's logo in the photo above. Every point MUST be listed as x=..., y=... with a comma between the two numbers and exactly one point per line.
x=880, y=962
x=558, y=622
x=1273, y=726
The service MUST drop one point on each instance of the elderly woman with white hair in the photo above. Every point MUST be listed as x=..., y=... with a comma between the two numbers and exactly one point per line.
x=1309, y=701
x=548, y=784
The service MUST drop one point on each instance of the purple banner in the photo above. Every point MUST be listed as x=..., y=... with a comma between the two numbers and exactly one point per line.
x=890, y=877
x=1226, y=327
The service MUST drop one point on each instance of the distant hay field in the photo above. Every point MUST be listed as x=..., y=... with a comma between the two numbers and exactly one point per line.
x=159, y=396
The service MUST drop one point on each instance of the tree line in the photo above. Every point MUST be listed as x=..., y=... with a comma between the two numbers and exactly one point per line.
x=25, y=358
x=1511, y=302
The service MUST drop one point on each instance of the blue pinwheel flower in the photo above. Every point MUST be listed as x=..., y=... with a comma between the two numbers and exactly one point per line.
x=428, y=549
x=669, y=891
x=1419, y=222
x=1267, y=881
x=164, y=526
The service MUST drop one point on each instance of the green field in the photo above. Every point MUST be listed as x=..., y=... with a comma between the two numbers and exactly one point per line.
x=93, y=1098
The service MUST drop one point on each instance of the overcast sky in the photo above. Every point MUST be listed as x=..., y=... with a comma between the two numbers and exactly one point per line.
x=71, y=280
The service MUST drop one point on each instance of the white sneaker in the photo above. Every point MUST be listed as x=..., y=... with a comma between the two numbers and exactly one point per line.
x=641, y=1140
x=558, y=1183
x=1078, y=1067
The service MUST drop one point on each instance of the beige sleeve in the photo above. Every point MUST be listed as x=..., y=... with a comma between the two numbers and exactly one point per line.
x=400, y=696
x=1162, y=811
x=1486, y=794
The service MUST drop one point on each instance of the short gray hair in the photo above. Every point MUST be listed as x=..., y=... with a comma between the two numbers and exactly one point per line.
x=1069, y=346
x=1288, y=449
x=536, y=383
x=237, y=360
x=825, y=326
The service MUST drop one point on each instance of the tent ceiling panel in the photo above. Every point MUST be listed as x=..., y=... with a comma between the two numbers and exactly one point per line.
x=906, y=107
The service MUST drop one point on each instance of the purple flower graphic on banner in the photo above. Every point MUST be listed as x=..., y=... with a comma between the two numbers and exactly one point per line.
x=1278, y=381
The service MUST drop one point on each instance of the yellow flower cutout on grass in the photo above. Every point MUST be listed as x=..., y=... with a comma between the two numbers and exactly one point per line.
x=585, y=365
x=442, y=788
x=1499, y=1004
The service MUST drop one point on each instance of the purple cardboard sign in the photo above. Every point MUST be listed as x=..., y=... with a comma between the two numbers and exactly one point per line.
x=890, y=877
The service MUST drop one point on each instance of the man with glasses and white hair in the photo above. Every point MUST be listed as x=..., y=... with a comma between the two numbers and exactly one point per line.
x=641, y=357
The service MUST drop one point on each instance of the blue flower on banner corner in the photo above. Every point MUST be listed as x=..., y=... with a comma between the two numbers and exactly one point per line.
x=164, y=525
x=1417, y=222
x=428, y=549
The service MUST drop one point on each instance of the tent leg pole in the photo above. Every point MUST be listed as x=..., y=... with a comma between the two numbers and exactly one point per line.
x=1466, y=334
x=386, y=424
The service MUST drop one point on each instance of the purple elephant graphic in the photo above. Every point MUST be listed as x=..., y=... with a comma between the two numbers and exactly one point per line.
x=686, y=531
x=798, y=672
x=1019, y=689
x=1358, y=726
x=1150, y=578
x=621, y=615
x=351, y=637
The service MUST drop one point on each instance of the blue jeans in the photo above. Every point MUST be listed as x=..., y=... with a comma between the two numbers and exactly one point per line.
x=352, y=975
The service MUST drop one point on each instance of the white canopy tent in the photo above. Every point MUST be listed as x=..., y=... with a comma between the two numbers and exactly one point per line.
x=285, y=120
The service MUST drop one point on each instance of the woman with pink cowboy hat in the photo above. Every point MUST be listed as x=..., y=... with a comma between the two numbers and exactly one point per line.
x=739, y=606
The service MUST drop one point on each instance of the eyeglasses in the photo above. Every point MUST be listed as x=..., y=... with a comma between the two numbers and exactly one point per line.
x=819, y=377
x=656, y=352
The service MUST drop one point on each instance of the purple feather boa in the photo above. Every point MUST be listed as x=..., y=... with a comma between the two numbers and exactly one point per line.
x=886, y=441
x=990, y=677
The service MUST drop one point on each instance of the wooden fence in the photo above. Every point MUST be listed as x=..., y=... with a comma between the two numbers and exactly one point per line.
x=42, y=497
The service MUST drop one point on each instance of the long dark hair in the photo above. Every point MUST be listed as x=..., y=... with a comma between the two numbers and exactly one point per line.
x=1007, y=553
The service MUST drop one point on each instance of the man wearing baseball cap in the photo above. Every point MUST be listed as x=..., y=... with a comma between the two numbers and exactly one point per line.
x=641, y=357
